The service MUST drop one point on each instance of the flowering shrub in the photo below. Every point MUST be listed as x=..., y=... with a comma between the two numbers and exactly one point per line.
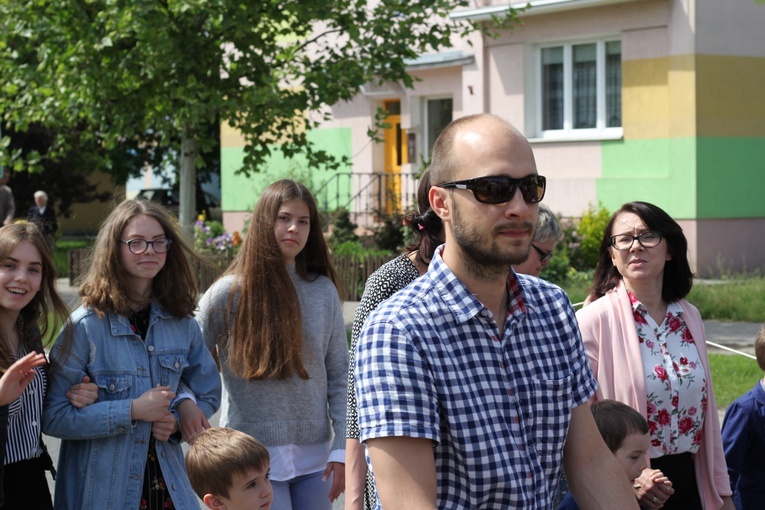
x=211, y=237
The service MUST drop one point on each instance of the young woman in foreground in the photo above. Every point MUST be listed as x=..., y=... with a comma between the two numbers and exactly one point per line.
x=136, y=338
x=276, y=322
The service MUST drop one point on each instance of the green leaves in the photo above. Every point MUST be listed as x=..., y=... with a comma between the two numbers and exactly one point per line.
x=121, y=69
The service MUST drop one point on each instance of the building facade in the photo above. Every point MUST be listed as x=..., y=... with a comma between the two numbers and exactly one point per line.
x=622, y=100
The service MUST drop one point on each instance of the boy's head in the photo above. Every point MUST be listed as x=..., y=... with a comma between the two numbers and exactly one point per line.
x=759, y=348
x=229, y=470
x=625, y=432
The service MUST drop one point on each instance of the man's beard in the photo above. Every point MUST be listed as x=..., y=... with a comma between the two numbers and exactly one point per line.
x=480, y=253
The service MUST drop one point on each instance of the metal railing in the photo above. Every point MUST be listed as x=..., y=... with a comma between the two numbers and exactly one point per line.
x=367, y=196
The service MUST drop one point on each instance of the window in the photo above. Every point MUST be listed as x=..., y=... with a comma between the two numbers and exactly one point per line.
x=438, y=114
x=580, y=89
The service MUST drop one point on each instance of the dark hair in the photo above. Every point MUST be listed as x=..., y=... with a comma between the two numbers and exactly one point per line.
x=258, y=348
x=616, y=421
x=46, y=310
x=678, y=277
x=217, y=455
x=759, y=348
x=425, y=223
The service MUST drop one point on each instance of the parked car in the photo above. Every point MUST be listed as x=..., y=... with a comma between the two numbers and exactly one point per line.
x=170, y=198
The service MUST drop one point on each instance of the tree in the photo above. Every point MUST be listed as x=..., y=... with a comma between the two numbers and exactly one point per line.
x=269, y=68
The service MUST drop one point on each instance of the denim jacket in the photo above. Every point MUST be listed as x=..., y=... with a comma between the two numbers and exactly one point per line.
x=103, y=453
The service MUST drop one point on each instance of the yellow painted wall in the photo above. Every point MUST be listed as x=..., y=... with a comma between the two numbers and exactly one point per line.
x=659, y=97
x=694, y=95
x=730, y=96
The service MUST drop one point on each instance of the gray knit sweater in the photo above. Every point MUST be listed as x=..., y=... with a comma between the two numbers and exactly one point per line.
x=288, y=411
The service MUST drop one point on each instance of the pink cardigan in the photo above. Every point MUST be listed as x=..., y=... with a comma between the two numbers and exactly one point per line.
x=611, y=339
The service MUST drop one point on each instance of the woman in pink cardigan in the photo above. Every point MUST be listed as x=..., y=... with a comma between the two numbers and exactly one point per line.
x=647, y=348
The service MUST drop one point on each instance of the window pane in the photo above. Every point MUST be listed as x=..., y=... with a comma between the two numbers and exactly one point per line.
x=585, y=87
x=613, y=84
x=552, y=88
x=393, y=107
x=439, y=115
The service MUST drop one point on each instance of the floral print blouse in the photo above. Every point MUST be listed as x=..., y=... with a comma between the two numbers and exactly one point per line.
x=676, y=385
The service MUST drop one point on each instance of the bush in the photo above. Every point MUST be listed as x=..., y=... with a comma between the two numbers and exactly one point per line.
x=210, y=237
x=343, y=229
x=586, y=238
x=388, y=235
x=560, y=264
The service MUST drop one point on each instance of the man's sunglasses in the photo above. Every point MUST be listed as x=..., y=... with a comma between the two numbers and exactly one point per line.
x=500, y=189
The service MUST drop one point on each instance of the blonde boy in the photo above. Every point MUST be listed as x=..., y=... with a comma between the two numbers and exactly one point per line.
x=229, y=470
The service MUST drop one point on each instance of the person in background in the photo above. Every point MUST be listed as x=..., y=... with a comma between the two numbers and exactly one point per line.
x=547, y=234
x=625, y=432
x=276, y=322
x=472, y=382
x=45, y=217
x=7, y=205
x=391, y=277
x=136, y=337
x=743, y=435
x=647, y=348
x=230, y=470
x=29, y=308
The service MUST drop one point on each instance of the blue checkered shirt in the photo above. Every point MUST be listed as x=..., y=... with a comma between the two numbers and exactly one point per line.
x=430, y=364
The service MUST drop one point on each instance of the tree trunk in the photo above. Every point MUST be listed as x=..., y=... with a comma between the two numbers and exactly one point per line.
x=187, y=181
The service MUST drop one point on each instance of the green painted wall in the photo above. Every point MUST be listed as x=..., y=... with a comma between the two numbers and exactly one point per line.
x=661, y=171
x=240, y=193
x=690, y=178
x=731, y=178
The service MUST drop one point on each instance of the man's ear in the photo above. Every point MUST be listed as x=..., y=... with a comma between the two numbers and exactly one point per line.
x=439, y=201
x=214, y=502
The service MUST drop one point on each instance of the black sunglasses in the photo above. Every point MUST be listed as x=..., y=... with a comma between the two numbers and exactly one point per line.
x=544, y=256
x=500, y=189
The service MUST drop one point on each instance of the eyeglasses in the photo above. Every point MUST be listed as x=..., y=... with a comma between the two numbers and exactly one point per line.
x=138, y=246
x=544, y=256
x=500, y=189
x=647, y=239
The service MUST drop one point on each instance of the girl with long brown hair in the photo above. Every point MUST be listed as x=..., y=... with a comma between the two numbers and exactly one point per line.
x=276, y=322
x=135, y=336
x=29, y=306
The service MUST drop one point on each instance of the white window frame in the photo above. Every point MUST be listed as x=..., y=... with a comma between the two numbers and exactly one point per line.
x=426, y=122
x=600, y=131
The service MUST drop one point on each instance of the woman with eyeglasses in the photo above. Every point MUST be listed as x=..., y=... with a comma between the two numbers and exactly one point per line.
x=647, y=348
x=136, y=338
x=547, y=234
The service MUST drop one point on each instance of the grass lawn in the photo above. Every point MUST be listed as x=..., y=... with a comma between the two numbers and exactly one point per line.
x=738, y=299
x=732, y=376
x=741, y=298
x=61, y=255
